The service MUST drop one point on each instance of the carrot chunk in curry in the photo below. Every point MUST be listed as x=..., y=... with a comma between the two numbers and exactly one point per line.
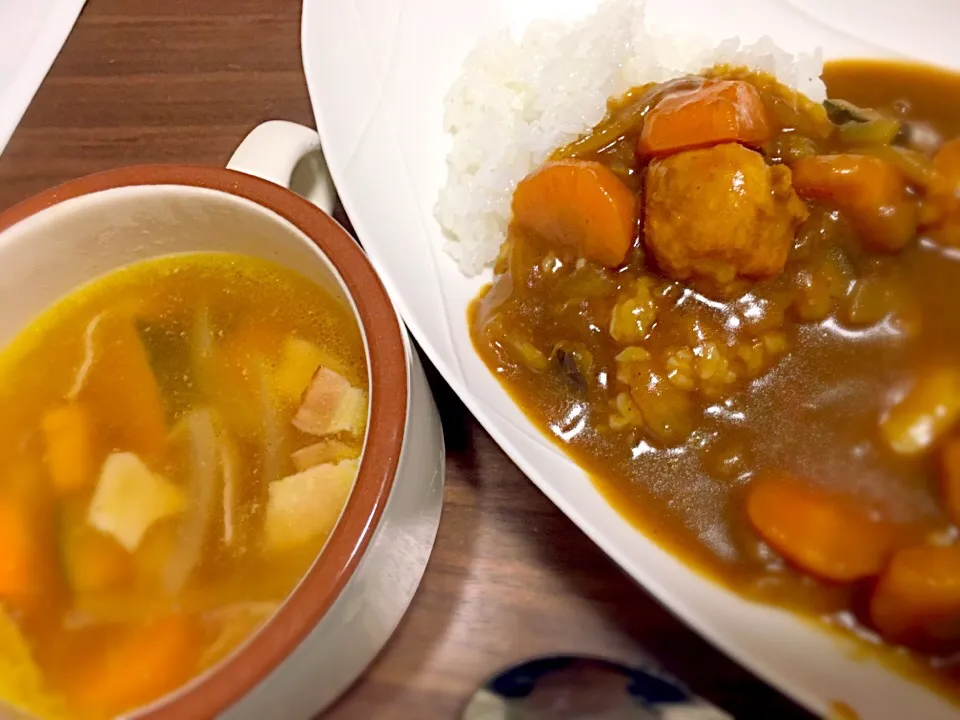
x=768, y=379
x=823, y=534
x=718, y=112
x=578, y=206
x=917, y=600
x=945, y=195
x=869, y=191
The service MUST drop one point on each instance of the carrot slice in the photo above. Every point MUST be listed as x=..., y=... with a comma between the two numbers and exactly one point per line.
x=822, y=534
x=917, y=599
x=121, y=385
x=869, y=191
x=720, y=112
x=581, y=206
x=24, y=563
x=92, y=561
x=72, y=457
x=97, y=562
x=142, y=665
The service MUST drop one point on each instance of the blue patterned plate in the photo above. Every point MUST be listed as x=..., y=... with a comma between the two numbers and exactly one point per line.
x=572, y=687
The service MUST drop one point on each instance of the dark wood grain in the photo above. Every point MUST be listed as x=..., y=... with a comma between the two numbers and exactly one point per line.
x=141, y=81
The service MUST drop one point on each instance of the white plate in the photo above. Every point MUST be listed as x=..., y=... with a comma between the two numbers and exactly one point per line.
x=377, y=71
x=31, y=35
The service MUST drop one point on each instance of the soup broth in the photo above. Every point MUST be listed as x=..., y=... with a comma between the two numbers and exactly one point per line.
x=179, y=439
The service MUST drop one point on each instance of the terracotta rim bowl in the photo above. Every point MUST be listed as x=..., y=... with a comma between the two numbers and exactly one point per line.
x=217, y=689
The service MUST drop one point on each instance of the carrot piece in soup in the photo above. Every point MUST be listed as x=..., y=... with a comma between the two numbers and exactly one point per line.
x=140, y=666
x=121, y=385
x=92, y=561
x=719, y=112
x=950, y=478
x=24, y=563
x=870, y=192
x=917, y=599
x=822, y=534
x=97, y=562
x=71, y=454
x=580, y=206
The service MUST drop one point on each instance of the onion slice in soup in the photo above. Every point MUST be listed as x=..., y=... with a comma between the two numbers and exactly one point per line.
x=198, y=429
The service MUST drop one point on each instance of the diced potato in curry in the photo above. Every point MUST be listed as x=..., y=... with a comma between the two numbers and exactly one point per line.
x=926, y=412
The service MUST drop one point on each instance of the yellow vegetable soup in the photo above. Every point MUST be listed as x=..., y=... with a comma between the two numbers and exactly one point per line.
x=178, y=440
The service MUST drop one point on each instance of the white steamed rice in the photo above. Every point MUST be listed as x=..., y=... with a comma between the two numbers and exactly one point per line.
x=517, y=100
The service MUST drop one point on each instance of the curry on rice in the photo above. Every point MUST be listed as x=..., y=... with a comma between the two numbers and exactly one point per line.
x=733, y=306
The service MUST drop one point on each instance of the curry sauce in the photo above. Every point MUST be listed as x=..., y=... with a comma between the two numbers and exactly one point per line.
x=688, y=385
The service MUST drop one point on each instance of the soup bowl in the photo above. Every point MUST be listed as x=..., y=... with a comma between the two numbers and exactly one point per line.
x=351, y=599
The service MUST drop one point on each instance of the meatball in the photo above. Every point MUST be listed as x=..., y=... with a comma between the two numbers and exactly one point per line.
x=719, y=215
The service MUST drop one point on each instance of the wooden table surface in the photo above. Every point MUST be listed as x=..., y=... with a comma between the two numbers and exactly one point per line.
x=182, y=81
